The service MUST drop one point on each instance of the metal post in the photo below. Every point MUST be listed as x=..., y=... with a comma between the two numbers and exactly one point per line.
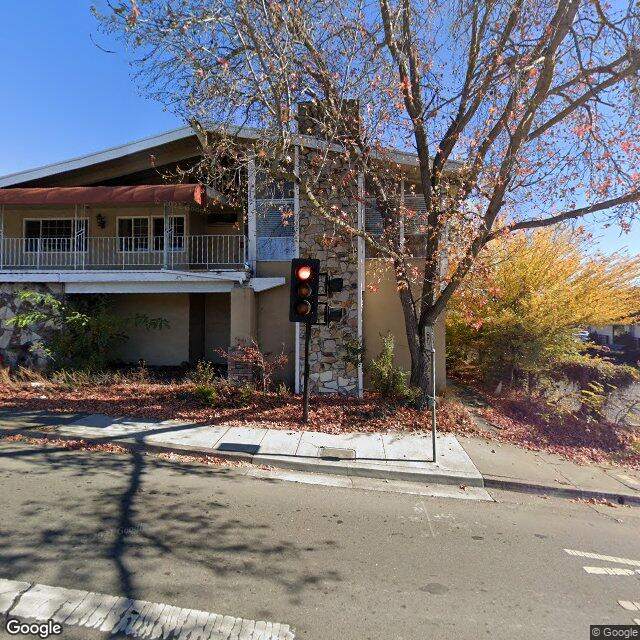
x=433, y=397
x=1, y=235
x=252, y=249
x=74, y=235
x=305, y=396
x=401, y=216
x=165, y=253
x=296, y=234
x=361, y=271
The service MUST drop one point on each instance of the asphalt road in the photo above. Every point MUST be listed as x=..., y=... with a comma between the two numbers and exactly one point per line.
x=335, y=564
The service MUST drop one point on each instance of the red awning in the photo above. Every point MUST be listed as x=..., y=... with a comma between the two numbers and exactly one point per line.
x=141, y=194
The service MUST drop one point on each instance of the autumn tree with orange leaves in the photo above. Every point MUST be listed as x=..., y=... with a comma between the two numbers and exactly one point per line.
x=521, y=113
x=518, y=310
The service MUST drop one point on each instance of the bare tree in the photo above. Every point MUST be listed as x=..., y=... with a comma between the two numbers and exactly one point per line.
x=521, y=113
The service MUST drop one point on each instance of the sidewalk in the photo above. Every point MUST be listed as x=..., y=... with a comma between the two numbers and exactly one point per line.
x=506, y=466
x=395, y=456
x=471, y=463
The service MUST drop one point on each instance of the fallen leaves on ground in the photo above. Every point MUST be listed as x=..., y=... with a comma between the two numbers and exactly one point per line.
x=83, y=445
x=65, y=443
x=527, y=422
x=178, y=401
x=520, y=420
x=598, y=501
x=202, y=459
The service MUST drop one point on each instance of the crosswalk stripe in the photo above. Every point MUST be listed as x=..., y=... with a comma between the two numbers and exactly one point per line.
x=629, y=606
x=597, y=556
x=610, y=571
x=137, y=618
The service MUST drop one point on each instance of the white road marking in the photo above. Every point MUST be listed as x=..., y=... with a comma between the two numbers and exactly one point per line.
x=611, y=571
x=597, y=556
x=138, y=618
x=629, y=606
x=637, y=621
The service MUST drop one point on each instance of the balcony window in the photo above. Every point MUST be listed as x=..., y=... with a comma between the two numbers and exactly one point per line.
x=55, y=235
x=176, y=233
x=133, y=234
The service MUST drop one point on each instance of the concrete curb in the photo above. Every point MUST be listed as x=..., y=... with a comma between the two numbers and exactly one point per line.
x=309, y=465
x=345, y=469
x=494, y=482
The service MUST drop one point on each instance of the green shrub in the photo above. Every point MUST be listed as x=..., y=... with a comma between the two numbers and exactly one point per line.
x=246, y=394
x=594, y=398
x=386, y=377
x=586, y=370
x=82, y=332
x=354, y=351
x=208, y=395
x=203, y=373
x=412, y=395
x=283, y=390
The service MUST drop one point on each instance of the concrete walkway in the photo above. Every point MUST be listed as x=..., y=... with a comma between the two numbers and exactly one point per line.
x=469, y=463
x=506, y=466
x=395, y=456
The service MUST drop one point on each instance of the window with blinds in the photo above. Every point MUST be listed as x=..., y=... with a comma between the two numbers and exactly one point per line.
x=275, y=221
x=55, y=234
x=176, y=233
x=133, y=234
x=415, y=216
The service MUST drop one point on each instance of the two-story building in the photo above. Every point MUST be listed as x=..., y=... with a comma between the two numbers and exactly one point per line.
x=108, y=223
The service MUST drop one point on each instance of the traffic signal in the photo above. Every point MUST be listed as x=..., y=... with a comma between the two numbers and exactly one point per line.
x=303, y=299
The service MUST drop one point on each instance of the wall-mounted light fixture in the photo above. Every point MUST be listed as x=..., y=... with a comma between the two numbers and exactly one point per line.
x=101, y=220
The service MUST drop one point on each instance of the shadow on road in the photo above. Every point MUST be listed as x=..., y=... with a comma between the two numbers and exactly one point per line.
x=75, y=515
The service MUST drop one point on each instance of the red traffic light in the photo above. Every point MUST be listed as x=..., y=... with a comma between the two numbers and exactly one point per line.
x=304, y=272
x=303, y=295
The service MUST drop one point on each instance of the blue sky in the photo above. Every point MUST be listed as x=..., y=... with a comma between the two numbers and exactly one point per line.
x=63, y=97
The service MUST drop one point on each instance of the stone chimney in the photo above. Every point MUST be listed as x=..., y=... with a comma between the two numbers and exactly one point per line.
x=312, y=120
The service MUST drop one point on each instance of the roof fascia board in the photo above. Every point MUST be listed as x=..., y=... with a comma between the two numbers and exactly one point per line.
x=82, y=162
x=245, y=133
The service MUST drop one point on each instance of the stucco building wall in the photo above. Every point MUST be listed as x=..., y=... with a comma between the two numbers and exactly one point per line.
x=168, y=346
x=383, y=314
x=275, y=332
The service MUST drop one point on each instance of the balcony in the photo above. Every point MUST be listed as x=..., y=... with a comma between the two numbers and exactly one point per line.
x=185, y=253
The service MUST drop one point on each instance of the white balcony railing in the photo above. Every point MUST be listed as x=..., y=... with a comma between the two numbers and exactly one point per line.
x=181, y=252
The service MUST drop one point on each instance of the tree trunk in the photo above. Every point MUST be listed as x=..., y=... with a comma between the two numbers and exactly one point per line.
x=420, y=337
x=421, y=366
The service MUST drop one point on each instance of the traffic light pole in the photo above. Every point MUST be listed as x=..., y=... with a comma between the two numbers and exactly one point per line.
x=303, y=308
x=305, y=395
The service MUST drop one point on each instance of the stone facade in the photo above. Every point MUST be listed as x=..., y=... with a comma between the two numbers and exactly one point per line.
x=330, y=370
x=15, y=343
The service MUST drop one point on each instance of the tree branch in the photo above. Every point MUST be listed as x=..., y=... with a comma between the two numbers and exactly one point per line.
x=571, y=214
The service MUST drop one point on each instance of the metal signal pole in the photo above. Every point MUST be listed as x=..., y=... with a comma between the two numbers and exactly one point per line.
x=305, y=395
x=433, y=401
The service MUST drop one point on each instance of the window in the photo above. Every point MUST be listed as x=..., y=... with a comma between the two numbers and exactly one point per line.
x=56, y=234
x=133, y=234
x=176, y=233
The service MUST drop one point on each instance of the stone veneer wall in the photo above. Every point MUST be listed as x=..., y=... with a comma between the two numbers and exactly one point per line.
x=15, y=343
x=329, y=370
